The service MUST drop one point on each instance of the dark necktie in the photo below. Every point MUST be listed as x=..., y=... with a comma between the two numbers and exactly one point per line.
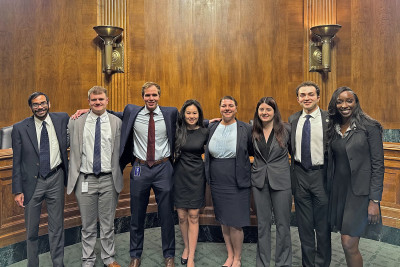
x=97, y=148
x=44, y=152
x=305, y=144
x=151, y=141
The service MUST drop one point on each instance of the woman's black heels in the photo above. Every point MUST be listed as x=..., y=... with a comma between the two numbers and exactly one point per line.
x=184, y=261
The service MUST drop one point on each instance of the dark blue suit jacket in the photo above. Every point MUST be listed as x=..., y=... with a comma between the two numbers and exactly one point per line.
x=244, y=148
x=26, y=153
x=128, y=117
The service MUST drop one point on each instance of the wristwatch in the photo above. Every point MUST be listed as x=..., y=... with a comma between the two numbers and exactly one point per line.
x=375, y=201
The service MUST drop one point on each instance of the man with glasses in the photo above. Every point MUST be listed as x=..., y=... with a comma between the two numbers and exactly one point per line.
x=40, y=167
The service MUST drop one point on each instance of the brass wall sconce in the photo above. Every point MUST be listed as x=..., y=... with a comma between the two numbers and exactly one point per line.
x=113, y=54
x=320, y=49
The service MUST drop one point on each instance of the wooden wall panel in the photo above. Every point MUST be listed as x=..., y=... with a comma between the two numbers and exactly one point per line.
x=46, y=46
x=207, y=49
x=368, y=56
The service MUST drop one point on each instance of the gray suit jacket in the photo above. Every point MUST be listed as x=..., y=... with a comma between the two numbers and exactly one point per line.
x=276, y=168
x=76, y=136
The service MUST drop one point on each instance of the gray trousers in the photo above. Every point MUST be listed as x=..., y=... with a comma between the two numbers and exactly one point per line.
x=52, y=191
x=99, y=202
x=280, y=201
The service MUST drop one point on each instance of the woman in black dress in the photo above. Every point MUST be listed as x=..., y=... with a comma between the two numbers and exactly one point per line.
x=189, y=177
x=355, y=171
x=228, y=173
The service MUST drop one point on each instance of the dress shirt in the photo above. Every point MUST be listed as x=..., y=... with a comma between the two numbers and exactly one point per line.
x=55, y=156
x=89, y=132
x=338, y=130
x=223, y=142
x=140, y=132
x=316, y=140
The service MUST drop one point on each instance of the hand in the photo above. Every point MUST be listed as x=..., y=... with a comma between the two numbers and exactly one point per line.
x=19, y=199
x=373, y=212
x=79, y=113
x=215, y=120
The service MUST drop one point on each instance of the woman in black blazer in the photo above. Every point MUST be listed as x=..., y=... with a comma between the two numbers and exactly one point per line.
x=227, y=168
x=355, y=171
x=270, y=178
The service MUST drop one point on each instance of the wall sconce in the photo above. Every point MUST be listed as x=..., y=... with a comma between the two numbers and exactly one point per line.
x=113, y=55
x=320, y=52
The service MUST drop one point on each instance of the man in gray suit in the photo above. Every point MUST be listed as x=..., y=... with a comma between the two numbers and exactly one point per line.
x=40, y=167
x=95, y=175
x=308, y=174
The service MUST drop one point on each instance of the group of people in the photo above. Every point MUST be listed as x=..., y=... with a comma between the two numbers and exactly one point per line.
x=335, y=174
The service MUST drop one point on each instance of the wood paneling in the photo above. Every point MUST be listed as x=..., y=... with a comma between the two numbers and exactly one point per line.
x=207, y=49
x=46, y=46
x=368, y=56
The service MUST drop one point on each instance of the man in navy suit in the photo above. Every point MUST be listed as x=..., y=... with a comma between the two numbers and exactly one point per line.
x=308, y=173
x=40, y=167
x=148, y=141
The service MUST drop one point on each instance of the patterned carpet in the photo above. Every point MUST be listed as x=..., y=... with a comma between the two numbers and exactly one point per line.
x=375, y=253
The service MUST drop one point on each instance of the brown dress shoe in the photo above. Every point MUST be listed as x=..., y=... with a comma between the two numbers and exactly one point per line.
x=169, y=262
x=114, y=264
x=135, y=262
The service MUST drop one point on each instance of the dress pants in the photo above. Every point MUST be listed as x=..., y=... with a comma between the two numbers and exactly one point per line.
x=51, y=190
x=99, y=202
x=280, y=201
x=159, y=178
x=311, y=202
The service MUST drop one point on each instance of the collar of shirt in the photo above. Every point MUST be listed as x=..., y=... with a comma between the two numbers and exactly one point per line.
x=39, y=123
x=93, y=117
x=350, y=128
x=315, y=114
x=156, y=111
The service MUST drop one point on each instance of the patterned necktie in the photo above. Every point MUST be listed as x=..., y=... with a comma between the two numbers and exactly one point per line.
x=151, y=141
x=97, y=148
x=44, y=154
x=305, y=144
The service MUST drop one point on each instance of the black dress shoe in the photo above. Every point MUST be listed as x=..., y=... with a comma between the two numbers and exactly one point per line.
x=184, y=261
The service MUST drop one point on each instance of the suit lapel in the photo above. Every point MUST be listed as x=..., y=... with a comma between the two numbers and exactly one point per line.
x=294, y=129
x=324, y=117
x=81, y=125
x=31, y=131
x=239, y=136
x=113, y=130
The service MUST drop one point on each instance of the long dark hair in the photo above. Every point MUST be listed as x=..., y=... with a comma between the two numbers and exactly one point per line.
x=181, y=125
x=358, y=117
x=279, y=130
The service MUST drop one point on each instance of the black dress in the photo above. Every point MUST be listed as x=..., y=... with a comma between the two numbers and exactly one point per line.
x=348, y=212
x=189, y=175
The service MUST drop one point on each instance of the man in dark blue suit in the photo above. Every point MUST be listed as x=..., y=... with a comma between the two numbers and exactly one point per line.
x=148, y=141
x=40, y=167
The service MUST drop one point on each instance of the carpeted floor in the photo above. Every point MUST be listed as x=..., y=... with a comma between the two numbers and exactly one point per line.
x=375, y=253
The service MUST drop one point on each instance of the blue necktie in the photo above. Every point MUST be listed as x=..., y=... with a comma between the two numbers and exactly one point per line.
x=97, y=148
x=305, y=144
x=44, y=154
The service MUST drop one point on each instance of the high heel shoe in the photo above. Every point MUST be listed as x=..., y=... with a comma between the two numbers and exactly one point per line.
x=183, y=261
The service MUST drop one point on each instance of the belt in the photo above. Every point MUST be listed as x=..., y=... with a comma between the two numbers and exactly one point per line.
x=155, y=162
x=53, y=171
x=312, y=168
x=98, y=175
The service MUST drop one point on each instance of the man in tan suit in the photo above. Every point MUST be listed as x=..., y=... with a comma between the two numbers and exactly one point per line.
x=95, y=175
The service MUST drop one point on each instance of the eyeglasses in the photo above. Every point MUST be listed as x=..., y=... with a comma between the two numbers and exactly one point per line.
x=43, y=104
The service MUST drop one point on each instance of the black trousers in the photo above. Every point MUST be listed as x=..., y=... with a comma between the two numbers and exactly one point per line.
x=311, y=202
x=158, y=178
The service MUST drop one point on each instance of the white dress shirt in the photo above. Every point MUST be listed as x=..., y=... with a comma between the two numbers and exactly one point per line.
x=89, y=132
x=316, y=139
